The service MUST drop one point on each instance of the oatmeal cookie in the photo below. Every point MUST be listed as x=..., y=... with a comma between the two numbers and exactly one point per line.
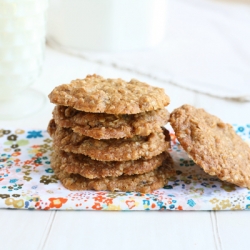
x=86, y=167
x=144, y=183
x=212, y=144
x=109, y=150
x=113, y=96
x=107, y=126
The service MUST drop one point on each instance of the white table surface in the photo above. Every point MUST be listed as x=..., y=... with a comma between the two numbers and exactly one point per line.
x=177, y=230
x=122, y=230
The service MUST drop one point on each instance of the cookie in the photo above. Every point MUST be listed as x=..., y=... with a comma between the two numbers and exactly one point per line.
x=86, y=167
x=212, y=144
x=109, y=150
x=113, y=96
x=107, y=126
x=144, y=183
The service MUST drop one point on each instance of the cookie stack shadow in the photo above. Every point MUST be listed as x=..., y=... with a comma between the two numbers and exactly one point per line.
x=109, y=134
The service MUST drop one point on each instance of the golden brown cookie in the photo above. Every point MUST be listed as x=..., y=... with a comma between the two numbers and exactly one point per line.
x=86, y=167
x=109, y=150
x=114, y=96
x=212, y=144
x=107, y=126
x=144, y=183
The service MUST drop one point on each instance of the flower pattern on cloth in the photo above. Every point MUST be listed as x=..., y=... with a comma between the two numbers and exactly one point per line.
x=27, y=181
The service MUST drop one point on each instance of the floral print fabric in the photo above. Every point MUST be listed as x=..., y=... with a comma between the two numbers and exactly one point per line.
x=28, y=182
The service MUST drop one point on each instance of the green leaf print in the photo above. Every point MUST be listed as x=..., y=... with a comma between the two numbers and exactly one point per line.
x=22, y=142
x=8, y=143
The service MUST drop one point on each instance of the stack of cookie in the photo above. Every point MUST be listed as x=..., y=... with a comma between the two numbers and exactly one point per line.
x=108, y=135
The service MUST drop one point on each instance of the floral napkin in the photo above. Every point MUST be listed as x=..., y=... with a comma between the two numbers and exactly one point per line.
x=28, y=182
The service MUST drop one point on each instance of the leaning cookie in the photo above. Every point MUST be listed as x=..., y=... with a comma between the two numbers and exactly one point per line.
x=144, y=183
x=113, y=96
x=107, y=126
x=212, y=144
x=86, y=167
x=109, y=150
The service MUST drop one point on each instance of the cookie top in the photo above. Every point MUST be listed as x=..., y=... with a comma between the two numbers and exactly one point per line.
x=91, y=169
x=113, y=96
x=212, y=144
x=107, y=126
x=109, y=150
x=144, y=183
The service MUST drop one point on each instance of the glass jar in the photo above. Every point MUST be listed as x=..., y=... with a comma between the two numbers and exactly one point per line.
x=22, y=43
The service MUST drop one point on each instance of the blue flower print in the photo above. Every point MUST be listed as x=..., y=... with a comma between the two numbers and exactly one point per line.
x=171, y=195
x=34, y=134
x=159, y=203
x=191, y=203
x=172, y=206
x=26, y=204
x=13, y=180
x=49, y=170
x=240, y=129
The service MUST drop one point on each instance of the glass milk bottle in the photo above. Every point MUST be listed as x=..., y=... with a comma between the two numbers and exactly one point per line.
x=106, y=25
x=22, y=42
